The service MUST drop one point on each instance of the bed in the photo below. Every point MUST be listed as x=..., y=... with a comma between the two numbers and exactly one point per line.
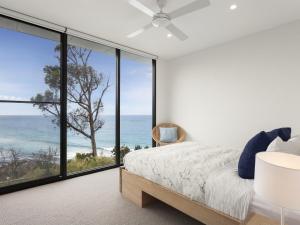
x=199, y=180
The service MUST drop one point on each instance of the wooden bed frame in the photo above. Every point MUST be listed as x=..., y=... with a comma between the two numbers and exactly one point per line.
x=143, y=192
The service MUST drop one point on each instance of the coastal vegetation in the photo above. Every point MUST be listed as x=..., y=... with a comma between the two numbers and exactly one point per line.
x=18, y=168
x=86, y=161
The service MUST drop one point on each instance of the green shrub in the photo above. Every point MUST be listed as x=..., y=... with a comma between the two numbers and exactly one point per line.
x=137, y=147
x=123, y=151
x=83, y=156
x=86, y=162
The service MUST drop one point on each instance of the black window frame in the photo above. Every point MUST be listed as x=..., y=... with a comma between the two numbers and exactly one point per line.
x=63, y=117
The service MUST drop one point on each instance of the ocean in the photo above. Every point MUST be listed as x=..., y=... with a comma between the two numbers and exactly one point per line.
x=30, y=134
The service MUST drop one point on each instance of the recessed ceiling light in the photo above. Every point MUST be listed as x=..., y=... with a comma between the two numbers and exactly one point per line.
x=233, y=7
x=169, y=35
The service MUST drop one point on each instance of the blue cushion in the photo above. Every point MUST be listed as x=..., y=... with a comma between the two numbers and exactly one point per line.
x=168, y=134
x=258, y=143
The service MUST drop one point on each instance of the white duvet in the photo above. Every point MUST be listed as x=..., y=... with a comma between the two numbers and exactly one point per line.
x=204, y=174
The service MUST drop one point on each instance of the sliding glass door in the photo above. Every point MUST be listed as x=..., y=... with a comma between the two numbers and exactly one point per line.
x=91, y=105
x=29, y=135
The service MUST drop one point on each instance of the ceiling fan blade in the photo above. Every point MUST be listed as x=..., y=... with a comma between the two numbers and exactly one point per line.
x=139, y=31
x=176, y=32
x=141, y=7
x=193, y=6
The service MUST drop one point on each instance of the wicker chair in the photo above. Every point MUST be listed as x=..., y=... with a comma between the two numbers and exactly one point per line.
x=156, y=136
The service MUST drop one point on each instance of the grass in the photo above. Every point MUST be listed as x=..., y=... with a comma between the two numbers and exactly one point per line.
x=89, y=162
x=31, y=173
x=28, y=170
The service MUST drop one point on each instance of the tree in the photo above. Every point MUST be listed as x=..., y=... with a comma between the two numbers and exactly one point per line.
x=46, y=160
x=85, y=90
x=123, y=151
x=14, y=162
x=137, y=147
x=3, y=157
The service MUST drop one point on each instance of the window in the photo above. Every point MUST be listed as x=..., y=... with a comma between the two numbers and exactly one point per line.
x=136, y=103
x=91, y=105
x=59, y=105
x=29, y=139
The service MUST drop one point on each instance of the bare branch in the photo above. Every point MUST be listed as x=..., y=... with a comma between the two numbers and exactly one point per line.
x=99, y=104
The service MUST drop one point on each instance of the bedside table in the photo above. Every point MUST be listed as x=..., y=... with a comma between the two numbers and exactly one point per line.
x=256, y=219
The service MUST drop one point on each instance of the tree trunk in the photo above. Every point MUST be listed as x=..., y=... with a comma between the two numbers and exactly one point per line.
x=92, y=130
x=93, y=142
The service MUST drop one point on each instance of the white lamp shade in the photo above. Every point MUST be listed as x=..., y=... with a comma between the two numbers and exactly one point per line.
x=277, y=179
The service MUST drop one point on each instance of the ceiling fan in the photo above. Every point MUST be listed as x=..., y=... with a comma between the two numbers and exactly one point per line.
x=162, y=19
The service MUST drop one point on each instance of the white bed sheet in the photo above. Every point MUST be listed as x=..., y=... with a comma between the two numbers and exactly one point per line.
x=201, y=173
x=259, y=206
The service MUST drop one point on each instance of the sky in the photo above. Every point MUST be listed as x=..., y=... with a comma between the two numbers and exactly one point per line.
x=23, y=57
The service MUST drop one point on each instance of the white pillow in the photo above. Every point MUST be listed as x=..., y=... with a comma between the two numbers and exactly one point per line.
x=292, y=146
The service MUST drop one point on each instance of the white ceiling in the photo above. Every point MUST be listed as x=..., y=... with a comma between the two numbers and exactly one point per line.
x=114, y=19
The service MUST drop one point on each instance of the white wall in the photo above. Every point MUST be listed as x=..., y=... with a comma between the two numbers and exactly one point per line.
x=161, y=91
x=226, y=94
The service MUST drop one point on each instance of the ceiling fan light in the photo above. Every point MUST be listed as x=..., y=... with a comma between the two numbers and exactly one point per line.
x=233, y=7
x=155, y=24
x=169, y=35
x=161, y=20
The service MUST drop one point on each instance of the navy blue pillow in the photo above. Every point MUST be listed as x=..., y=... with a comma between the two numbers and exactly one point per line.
x=258, y=143
x=284, y=133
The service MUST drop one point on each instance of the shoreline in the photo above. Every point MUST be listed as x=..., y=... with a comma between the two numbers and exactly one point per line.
x=103, y=151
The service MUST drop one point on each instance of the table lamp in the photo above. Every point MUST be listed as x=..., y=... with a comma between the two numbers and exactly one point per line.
x=277, y=179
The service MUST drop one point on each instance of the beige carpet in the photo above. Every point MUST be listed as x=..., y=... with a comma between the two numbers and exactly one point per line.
x=87, y=200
